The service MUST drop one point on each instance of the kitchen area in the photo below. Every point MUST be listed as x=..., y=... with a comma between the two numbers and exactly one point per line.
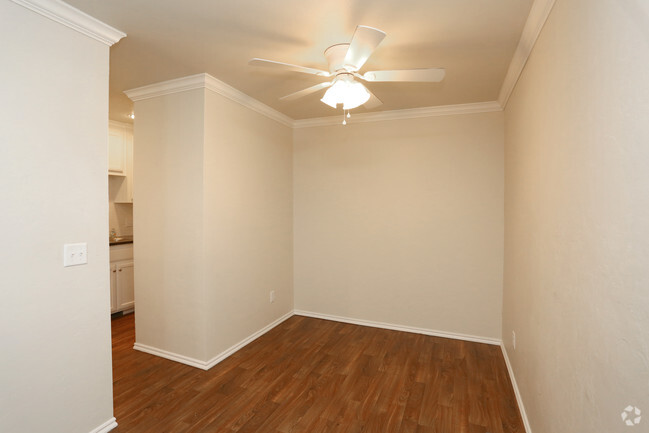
x=120, y=205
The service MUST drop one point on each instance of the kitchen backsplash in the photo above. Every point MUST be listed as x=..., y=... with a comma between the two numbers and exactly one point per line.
x=120, y=218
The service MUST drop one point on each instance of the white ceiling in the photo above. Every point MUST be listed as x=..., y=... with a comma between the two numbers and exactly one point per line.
x=473, y=39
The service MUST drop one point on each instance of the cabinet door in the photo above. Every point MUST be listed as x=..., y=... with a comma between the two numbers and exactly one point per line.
x=125, y=286
x=113, y=288
x=116, y=152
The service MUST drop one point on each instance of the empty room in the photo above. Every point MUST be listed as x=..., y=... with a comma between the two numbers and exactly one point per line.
x=306, y=216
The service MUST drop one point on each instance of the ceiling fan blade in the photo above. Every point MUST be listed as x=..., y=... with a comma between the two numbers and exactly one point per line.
x=427, y=75
x=305, y=92
x=287, y=67
x=364, y=41
x=373, y=102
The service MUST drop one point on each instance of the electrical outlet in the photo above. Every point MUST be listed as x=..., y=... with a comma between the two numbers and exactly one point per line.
x=514, y=339
x=272, y=296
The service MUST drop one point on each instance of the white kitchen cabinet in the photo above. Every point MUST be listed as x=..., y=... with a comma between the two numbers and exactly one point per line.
x=120, y=161
x=125, y=286
x=113, y=288
x=122, y=287
x=116, y=151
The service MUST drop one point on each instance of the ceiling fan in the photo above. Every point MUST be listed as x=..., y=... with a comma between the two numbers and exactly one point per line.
x=345, y=62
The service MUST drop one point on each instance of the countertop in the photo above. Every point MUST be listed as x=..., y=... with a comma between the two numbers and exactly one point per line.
x=120, y=240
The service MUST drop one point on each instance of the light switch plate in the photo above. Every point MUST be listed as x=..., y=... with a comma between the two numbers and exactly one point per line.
x=75, y=254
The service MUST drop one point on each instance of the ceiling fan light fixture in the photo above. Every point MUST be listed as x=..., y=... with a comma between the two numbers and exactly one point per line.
x=345, y=62
x=346, y=91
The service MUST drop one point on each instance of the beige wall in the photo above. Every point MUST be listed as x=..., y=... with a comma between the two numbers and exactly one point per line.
x=168, y=223
x=212, y=222
x=577, y=219
x=55, y=366
x=402, y=222
x=248, y=214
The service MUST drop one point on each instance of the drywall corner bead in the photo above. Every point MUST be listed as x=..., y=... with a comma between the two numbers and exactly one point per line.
x=73, y=18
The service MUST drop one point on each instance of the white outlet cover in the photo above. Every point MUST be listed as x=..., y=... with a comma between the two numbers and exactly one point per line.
x=75, y=254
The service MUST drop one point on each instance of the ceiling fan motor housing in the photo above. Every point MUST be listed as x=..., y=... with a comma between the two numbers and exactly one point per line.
x=335, y=55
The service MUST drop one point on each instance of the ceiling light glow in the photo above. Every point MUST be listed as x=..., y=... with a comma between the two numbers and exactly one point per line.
x=346, y=91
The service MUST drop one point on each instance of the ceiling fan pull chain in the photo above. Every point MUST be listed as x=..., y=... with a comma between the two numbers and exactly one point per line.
x=344, y=121
x=348, y=114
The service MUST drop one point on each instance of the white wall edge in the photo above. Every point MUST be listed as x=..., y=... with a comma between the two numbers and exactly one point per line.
x=382, y=325
x=519, y=399
x=71, y=17
x=206, y=365
x=410, y=113
x=221, y=356
x=539, y=14
x=106, y=427
x=206, y=81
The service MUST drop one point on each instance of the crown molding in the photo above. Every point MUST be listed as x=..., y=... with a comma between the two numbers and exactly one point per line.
x=537, y=18
x=206, y=81
x=235, y=95
x=168, y=87
x=71, y=17
x=118, y=124
x=410, y=113
x=539, y=14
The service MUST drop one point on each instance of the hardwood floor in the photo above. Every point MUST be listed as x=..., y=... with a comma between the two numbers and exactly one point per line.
x=312, y=376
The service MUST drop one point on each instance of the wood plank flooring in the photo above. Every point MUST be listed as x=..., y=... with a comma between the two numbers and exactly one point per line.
x=315, y=376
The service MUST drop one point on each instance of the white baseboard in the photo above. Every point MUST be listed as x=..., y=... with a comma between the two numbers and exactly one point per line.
x=171, y=356
x=221, y=356
x=433, y=332
x=444, y=334
x=519, y=399
x=105, y=427
x=206, y=365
